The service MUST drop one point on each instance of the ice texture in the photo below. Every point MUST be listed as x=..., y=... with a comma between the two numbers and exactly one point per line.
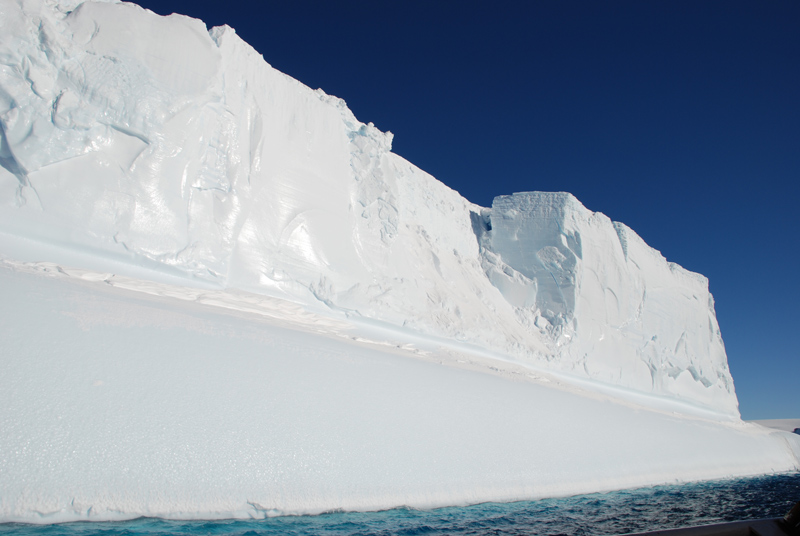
x=147, y=147
x=149, y=138
x=614, y=307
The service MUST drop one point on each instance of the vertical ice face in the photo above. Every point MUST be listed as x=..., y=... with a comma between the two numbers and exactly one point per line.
x=108, y=115
x=617, y=310
x=528, y=231
x=151, y=139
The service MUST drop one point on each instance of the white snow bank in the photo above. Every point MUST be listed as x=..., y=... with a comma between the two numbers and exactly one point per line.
x=122, y=398
x=145, y=140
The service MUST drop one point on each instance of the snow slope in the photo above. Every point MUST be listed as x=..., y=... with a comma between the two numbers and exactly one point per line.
x=151, y=399
x=262, y=297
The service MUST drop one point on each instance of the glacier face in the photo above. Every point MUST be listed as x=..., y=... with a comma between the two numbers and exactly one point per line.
x=614, y=305
x=149, y=139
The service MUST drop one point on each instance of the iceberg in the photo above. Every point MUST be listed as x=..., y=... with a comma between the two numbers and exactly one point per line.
x=224, y=296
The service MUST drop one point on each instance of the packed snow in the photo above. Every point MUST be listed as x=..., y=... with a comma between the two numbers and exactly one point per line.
x=224, y=296
x=151, y=399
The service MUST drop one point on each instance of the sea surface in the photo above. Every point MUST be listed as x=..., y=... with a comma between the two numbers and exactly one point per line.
x=613, y=513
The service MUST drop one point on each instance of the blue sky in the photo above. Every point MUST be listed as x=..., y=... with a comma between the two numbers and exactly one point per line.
x=679, y=118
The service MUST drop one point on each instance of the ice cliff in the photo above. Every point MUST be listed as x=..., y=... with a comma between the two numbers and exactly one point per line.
x=224, y=296
x=149, y=139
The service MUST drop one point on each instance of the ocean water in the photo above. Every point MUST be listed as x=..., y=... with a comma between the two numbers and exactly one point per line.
x=618, y=512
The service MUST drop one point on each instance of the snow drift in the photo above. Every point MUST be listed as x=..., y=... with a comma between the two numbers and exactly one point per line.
x=152, y=148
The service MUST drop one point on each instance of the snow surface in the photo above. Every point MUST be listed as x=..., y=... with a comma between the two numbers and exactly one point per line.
x=151, y=399
x=225, y=296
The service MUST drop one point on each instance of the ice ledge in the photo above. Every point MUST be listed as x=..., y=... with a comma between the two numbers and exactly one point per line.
x=304, y=422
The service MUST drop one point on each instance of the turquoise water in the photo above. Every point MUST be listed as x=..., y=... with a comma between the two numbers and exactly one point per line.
x=598, y=514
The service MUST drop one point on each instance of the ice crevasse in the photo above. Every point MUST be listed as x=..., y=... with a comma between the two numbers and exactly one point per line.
x=184, y=227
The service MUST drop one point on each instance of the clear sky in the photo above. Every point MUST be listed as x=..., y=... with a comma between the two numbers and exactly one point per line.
x=678, y=118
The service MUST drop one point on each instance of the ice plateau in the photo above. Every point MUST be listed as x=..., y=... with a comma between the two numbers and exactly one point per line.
x=225, y=296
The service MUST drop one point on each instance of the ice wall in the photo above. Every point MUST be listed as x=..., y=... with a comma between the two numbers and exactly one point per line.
x=616, y=308
x=150, y=139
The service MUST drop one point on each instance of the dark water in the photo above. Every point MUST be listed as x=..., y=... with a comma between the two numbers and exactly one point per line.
x=601, y=514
